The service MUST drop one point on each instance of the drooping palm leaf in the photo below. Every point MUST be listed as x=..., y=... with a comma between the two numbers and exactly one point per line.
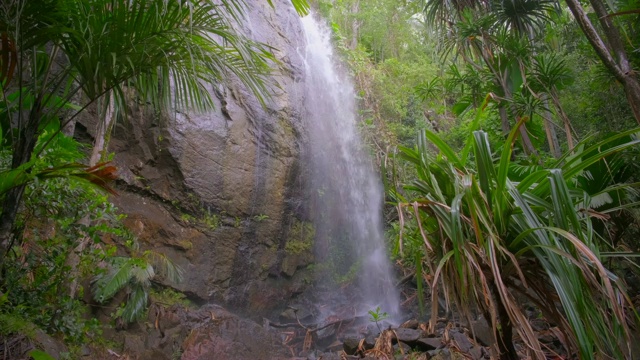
x=136, y=303
x=117, y=276
x=301, y=6
x=165, y=266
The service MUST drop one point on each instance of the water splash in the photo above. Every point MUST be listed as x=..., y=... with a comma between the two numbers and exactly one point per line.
x=347, y=194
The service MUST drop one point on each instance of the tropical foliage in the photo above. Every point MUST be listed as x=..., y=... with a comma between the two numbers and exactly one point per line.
x=491, y=220
x=490, y=240
x=61, y=54
x=135, y=274
x=40, y=282
x=489, y=230
x=60, y=59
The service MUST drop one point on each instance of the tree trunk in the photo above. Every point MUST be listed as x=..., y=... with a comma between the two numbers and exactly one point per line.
x=527, y=145
x=355, y=25
x=565, y=119
x=504, y=120
x=102, y=132
x=550, y=130
x=26, y=142
x=632, y=89
x=504, y=333
x=620, y=68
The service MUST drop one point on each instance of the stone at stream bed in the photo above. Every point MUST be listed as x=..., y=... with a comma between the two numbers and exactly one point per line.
x=477, y=353
x=296, y=313
x=407, y=335
x=231, y=338
x=49, y=344
x=429, y=343
x=350, y=345
x=369, y=342
x=442, y=354
x=324, y=337
x=210, y=332
x=405, y=348
x=461, y=341
x=482, y=332
x=133, y=344
x=410, y=324
x=336, y=346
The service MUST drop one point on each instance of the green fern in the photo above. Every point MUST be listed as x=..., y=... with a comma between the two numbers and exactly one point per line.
x=134, y=274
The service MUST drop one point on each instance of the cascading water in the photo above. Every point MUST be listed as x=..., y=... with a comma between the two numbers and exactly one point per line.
x=347, y=194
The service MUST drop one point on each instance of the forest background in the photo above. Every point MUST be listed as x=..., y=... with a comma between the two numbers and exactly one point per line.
x=525, y=165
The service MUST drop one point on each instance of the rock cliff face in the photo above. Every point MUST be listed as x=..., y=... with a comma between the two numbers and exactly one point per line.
x=222, y=193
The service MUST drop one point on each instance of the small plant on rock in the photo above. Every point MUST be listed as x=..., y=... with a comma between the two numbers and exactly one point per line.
x=377, y=316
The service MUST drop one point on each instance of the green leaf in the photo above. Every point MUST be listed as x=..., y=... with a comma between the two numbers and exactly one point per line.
x=119, y=274
x=40, y=355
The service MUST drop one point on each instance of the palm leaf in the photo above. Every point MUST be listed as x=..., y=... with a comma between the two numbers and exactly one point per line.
x=165, y=265
x=118, y=275
x=136, y=303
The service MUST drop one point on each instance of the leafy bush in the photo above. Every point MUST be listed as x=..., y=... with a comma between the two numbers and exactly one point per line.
x=487, y=238
x=64, y=219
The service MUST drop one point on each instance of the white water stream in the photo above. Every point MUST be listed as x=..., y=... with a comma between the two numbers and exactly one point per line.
x=347, y=193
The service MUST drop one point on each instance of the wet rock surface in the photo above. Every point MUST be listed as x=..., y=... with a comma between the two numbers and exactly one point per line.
x=391, y=343
x=220, y=193
x=346, y=333
x=210, y=332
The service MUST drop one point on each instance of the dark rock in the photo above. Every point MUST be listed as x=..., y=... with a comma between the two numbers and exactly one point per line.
x=477, y=353
x=309, y=354
x=133, y=344
x=372, y=329
x=154, y=354
x=546, y=338
x=48, y=344
x=539, y=324
x=401, y=348
x=210, y=332
x=336, y=346
x=410, y=324
x=324, y=337
x=461, y=341
x=369, y=342
x=407, y=335
x=326, y=332
x=350, y=345
x=231, y=338
x=295, y=313
x=441, y=354
x=427, y=344
x=482, y=332
x=325, y=356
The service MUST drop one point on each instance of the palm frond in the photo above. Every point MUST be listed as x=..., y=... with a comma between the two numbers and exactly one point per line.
x=166, y=267
x=142, y=274
x=301, y=6
x=136, y=303
x=118, y=275
x=523, y=16
x=153, y=42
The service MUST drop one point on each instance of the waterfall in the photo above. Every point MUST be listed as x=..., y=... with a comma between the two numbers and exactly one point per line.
x=347, y=195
